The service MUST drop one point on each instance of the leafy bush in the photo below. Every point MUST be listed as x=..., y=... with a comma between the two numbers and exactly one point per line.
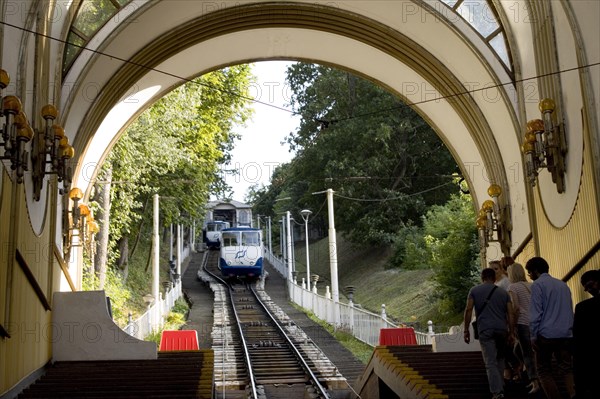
x=447, y=243
x=119, y=295
x=174, y=321
x=410, y=250
x=451, y=237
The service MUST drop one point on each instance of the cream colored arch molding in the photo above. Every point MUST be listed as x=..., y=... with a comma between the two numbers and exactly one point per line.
x=480, y=133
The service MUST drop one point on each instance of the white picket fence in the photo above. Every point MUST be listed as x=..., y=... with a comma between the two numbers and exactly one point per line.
x=154, y=318
x=364, y=325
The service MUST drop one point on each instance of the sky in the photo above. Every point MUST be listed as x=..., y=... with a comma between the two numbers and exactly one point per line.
x=260, y=148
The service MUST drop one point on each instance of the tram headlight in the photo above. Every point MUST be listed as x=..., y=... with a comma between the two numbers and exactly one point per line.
x=229, y=263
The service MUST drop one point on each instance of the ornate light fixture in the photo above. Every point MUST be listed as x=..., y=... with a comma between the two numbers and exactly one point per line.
x=51, y=146
x=16, y=131
x=81, y=226
x=493, y=221
x=545, y=146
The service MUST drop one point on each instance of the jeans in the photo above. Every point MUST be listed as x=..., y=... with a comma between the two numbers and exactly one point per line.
x=560, y=349
x=493, y=346
x=528, y=356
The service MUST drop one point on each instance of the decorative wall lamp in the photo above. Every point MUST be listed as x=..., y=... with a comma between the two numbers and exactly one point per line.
x=71, y=225
x=51, y=146
x=80, y=226
x=493, y=221
x=15, y=129
x=545, y=146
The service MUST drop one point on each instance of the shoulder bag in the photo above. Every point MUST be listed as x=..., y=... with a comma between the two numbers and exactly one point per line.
x=474, y=323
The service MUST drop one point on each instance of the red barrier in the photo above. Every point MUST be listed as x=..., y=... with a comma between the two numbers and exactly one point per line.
x=179, y=340
x=397, y=336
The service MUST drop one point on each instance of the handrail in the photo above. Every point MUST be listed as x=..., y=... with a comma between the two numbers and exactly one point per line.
x=582, y=262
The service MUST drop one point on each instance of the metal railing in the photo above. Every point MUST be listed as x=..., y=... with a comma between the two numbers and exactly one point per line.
x=155, y=316
x=362, y=324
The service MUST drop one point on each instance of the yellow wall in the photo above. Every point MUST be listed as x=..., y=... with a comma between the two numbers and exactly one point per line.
x=29, y=325
x=565, y=247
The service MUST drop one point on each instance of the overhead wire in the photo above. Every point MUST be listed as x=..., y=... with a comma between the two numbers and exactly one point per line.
x=254, y=100
x=148, y=68
x=392, y=198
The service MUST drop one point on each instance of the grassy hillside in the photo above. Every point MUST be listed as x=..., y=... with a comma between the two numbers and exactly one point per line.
x=409, y=295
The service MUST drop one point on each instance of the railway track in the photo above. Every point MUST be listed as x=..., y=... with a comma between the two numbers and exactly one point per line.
x=259, y=351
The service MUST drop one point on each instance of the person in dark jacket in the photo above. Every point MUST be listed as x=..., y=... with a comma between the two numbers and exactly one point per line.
x=494, y=323
x=585, y=334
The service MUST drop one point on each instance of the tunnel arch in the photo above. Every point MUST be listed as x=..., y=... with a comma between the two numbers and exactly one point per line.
x=480, y=129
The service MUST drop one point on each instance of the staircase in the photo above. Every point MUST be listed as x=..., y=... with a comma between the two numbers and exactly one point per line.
x=417, y=372
x=181, y=374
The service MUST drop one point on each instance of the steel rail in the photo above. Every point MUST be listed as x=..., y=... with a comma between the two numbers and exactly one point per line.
x=297, y=353
x=307, y=369
x=239, y=326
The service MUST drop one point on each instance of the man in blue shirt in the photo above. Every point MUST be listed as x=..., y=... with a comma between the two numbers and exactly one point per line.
x=551, y=326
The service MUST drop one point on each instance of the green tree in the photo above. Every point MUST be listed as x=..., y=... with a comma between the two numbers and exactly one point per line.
x=174, y=149
x=370, y=148
x=410, y=249
x=451, y=236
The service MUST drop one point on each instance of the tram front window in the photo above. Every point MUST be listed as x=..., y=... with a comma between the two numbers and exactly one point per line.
x=230, y=239
x=250, y=238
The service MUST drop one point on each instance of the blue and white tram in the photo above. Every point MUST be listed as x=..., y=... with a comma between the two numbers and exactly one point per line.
x=241, y=252
x=212, y=233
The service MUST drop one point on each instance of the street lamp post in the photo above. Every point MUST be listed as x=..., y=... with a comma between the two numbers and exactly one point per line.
x=305, y=215
x=155, y=247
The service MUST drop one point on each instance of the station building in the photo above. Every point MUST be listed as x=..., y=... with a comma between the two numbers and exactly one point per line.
x=236, y=213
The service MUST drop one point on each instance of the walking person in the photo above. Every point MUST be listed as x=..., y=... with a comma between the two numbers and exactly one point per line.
x=520, y=296
x=494, y=317
x=511, y=362
x=501, y=277
x=586, y=325
x=551, y=327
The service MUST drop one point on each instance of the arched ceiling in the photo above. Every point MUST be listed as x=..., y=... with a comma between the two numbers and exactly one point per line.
x=429, y=65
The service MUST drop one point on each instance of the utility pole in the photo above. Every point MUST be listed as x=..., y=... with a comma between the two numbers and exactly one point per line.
x=289, y=246
x=283, y=244
x=156, y=249
x=270, y=243
x=179, y=250
x=335, y=292
x=170, y=242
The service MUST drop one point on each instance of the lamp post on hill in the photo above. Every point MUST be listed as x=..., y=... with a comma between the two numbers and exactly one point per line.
x=305, y=215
